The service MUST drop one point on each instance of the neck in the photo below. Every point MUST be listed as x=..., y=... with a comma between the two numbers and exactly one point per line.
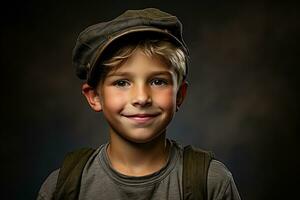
x=137, y=159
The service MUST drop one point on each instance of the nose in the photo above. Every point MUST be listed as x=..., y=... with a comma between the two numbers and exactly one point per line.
x=141, y=96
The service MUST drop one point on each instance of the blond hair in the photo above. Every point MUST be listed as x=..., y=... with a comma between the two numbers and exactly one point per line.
x=164, y=49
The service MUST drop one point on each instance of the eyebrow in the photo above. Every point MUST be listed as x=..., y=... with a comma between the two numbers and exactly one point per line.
x=154, y=73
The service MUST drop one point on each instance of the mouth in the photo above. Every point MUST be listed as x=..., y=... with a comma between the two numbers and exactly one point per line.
x=141, y=118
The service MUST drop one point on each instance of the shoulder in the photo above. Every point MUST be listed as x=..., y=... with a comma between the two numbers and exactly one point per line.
x=48, y=187
x=218, y=171
x=220, y=183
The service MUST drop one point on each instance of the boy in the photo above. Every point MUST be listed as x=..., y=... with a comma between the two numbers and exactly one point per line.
x=134, y=68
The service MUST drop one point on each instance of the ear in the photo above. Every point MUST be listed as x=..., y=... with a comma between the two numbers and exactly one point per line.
x=92, y=97
x=181, y=93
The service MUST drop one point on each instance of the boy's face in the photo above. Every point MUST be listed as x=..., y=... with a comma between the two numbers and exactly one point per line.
x=139, y=98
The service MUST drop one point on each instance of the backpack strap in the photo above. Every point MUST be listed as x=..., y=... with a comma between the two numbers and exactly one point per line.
x=195, y=169
x=69, y=178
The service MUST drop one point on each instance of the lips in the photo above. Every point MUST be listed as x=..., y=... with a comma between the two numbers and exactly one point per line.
x=141, y=118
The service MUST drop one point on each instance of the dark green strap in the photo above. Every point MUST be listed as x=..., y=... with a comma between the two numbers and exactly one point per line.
x=195, y=170
x=69, y=178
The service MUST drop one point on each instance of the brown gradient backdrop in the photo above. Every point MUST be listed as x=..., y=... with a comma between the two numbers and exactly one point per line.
x=242, y=102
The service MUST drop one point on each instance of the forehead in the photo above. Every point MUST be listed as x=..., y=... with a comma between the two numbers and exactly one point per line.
x=140, y=63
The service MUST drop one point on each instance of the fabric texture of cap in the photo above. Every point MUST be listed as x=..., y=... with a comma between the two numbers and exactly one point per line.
x=95, y=39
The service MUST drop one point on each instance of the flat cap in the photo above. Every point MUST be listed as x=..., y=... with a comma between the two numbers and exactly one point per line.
x=92, y=42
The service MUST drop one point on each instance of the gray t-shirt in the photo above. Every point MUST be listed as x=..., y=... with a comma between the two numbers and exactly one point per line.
x=101, y=181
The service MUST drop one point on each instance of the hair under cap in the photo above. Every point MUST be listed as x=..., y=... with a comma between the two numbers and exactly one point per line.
x=92, y=42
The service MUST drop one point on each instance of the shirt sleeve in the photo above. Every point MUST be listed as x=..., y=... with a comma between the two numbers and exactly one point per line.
x=220, y=183
x=48, y=187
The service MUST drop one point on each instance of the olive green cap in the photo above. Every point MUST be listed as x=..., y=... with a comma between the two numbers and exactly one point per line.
x=92, y=42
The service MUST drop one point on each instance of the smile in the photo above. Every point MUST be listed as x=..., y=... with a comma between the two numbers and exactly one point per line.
x=141, y=118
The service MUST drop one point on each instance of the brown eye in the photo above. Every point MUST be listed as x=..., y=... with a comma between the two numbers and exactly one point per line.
x=121, y=83
x=159, y=82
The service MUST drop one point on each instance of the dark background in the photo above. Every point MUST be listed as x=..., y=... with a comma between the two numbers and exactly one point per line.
x=242, y=101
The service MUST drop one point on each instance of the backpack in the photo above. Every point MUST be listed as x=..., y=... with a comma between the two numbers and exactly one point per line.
x=195, y=169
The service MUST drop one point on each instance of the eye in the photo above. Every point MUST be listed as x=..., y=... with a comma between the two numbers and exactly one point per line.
x=121, y=83
x=159, y=82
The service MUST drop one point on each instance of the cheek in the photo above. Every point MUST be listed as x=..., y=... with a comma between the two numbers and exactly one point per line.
x=115, y=100
x=166, y=99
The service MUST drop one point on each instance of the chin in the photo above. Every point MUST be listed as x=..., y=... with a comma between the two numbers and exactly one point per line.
x=140, y=140
x=143, y=138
